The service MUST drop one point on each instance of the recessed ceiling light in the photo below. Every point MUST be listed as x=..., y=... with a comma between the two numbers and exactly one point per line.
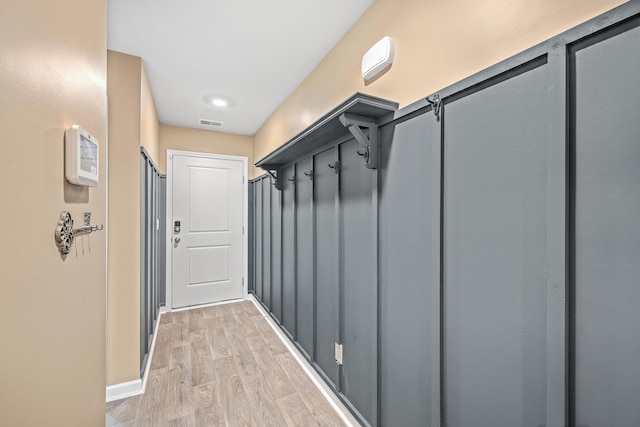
x=219, y=101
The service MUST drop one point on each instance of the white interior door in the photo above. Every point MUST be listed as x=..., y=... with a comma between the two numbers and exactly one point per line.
x=207, y=225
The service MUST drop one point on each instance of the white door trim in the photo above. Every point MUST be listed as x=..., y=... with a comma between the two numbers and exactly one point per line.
x=169, y=216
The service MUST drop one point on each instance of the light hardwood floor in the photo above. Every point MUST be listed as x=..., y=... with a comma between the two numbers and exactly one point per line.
x=223, y=366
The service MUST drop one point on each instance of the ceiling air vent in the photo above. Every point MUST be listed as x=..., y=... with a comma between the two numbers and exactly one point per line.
x=206, y=122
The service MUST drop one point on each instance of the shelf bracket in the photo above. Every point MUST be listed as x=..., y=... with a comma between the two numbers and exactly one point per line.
x=273, y=176
x=370, y=142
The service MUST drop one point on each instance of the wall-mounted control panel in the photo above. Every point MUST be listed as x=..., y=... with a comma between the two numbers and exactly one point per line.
x=81, y=157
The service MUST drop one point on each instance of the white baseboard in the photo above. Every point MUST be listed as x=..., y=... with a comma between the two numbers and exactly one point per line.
x=333, y=400
x=211, y=304
x=124, y=390
x=135, y=387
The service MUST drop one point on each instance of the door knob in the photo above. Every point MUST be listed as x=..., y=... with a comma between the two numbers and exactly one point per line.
x=177, y=239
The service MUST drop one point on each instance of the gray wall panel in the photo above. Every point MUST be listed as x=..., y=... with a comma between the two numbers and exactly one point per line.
x=410, y=273
x=152, y=245
x=327, y=292
x=288, y=251
x=607, y=232
x=494, y=254
x=535, y=307
x=144, y=245
x=148, y=324
x=304, y=256
x=276, y=252
x=266, y=242
x=359, y=284
x=257, y=187
x=250, y=237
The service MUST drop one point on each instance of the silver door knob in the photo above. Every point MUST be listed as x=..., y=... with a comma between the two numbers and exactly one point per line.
x=177, y=239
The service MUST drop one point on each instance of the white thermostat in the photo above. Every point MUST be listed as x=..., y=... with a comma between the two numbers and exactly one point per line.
x=81, y=157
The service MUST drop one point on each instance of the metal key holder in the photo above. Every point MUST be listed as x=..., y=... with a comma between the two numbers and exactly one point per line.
x=65, y=233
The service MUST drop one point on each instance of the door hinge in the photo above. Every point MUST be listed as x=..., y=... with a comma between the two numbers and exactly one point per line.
x=338, y=351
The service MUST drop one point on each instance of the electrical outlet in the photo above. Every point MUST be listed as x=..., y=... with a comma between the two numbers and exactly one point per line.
x=338, y=352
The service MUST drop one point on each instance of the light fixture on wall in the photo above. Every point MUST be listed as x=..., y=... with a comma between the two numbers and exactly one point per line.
x=378, y=58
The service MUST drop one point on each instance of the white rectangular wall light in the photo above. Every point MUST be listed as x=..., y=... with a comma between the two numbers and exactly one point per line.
x=378, y=58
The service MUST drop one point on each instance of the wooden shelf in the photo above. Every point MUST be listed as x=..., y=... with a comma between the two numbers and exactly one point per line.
x=326, y=129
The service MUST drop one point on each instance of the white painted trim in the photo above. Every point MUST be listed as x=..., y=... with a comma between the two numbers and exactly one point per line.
x=193, y=307
x=147, y=367
x=168, y=259
x=106, y=240
x=206, y=155
x=124, y=390
x=333, y=400
x=169, y=216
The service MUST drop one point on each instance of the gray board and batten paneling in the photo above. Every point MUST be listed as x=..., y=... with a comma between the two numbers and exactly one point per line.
x=606, y=227
x=304, y=256
x=409, y=272
x=494, y=302
x=152, y=247
x=359, y=296
x=325, y=184
x=501, y=286
x=145, y=280
x=259, y=242
x=276, y=251
x=288, y=319
x=266, y=241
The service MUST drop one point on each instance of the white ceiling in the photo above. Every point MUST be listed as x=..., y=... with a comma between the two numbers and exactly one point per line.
x=254, y=52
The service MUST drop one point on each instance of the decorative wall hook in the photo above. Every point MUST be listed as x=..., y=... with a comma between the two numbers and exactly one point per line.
x=435, y=103
x=65, y=233
x=364, y=154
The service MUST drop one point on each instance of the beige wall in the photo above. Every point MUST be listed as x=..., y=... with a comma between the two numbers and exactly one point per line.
x=149, y=124
x=52, y=321
x=202, y=141
x=437, y=44
x=123, y=329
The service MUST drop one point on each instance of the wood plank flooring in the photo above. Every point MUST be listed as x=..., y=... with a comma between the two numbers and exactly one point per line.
x=222, y=366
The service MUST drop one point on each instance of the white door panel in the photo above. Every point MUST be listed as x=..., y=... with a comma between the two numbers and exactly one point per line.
x=207, y=251
x=206, y=214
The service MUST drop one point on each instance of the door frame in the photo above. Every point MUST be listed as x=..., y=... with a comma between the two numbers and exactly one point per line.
x=169, y=216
